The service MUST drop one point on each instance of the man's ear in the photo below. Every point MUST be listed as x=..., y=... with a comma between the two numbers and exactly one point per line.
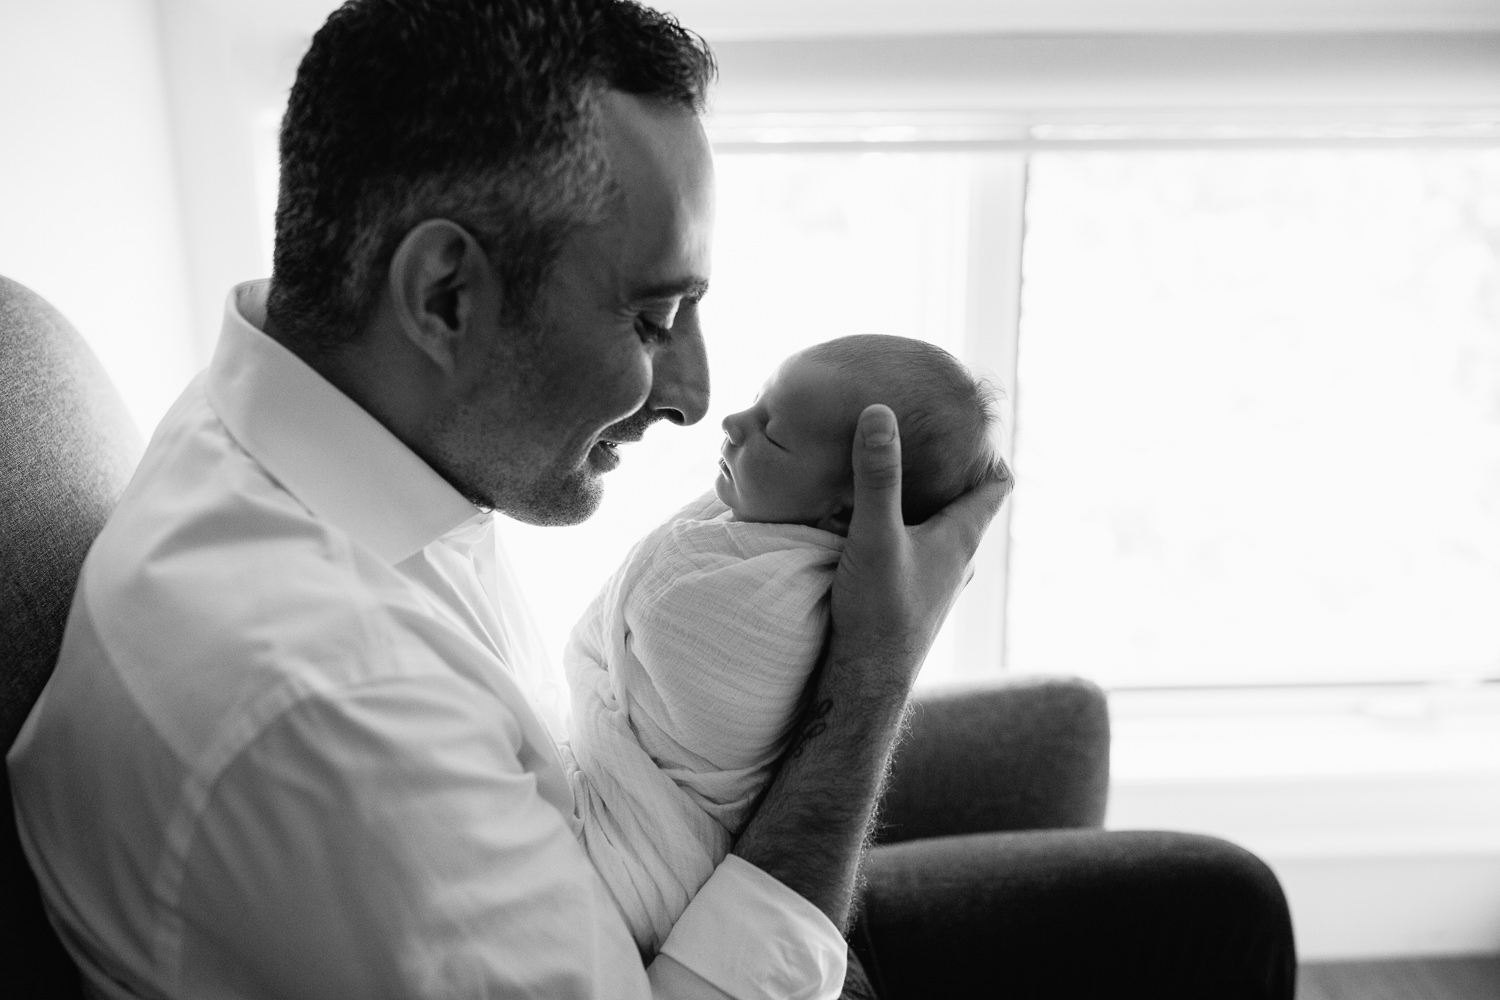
x=439, y=280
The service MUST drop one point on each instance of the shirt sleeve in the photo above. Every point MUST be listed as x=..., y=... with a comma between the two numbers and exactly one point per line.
x=389, y=840
x=796, y=953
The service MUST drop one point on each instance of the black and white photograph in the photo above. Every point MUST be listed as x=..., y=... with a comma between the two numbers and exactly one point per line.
x=752, y=499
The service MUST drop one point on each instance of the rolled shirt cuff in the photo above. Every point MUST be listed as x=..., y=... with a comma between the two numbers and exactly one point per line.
x=754, y=938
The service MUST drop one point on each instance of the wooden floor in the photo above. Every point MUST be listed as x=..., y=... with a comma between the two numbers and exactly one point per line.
x=1410, y=979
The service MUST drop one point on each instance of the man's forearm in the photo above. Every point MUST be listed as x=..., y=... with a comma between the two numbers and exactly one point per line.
x=811, y=825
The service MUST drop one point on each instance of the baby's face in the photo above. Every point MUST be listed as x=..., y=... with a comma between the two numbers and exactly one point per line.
x=786, y=458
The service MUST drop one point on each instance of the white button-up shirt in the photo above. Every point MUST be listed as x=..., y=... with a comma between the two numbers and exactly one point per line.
x=292, y=749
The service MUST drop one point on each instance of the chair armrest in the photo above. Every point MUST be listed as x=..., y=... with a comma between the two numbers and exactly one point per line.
x=1023, y=754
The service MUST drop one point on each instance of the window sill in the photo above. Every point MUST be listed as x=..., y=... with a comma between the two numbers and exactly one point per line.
x=1314, y=733
x=1378, y=808
x=1330, y=771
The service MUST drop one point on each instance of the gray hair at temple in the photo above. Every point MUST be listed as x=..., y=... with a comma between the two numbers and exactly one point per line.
x=947, y=415
x=483, y=112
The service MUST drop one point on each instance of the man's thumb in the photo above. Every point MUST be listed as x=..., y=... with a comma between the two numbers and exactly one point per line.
x=877, y=466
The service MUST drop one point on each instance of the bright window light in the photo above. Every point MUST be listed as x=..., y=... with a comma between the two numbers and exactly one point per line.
x=1258, y=417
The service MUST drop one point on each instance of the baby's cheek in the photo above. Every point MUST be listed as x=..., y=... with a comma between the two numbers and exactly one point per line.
x=756, y=486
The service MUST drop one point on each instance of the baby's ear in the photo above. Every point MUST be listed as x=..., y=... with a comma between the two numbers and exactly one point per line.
x=837, y=520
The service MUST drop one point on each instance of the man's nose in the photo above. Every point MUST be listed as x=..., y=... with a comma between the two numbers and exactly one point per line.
x=679, y=375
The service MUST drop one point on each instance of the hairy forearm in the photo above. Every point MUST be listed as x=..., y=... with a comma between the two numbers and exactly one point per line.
x=812, y=823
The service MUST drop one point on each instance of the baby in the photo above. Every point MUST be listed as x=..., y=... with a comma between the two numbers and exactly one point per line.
x=688, y=669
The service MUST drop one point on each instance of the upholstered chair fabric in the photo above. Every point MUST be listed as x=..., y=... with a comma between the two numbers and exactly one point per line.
x=67, y=448
x=1031, y=753
x=975, y=765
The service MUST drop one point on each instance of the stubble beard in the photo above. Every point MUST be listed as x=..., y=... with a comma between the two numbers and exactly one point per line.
x=567, y=496
x=527, y=485
x=572, y=500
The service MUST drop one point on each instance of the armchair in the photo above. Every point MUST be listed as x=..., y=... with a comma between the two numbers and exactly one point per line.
x=991, y=875
x=67, y=448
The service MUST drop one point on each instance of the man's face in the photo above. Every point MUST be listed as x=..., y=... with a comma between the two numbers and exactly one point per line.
x=786, y=459
x=613, y=343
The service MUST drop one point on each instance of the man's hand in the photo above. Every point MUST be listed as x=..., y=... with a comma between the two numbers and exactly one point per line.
x=895, y=584
x=892, y=590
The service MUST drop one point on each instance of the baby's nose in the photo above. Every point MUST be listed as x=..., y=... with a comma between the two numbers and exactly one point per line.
x=732, y=429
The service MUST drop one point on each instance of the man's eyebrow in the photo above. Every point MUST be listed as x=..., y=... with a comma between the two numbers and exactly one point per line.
x=692, y=289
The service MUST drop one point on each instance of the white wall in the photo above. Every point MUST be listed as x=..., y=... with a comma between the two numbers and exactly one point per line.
x=89, y=215
x=213, y=95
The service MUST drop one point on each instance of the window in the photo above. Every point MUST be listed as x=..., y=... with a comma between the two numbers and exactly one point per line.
x=1257, y=393
x=1259, y=417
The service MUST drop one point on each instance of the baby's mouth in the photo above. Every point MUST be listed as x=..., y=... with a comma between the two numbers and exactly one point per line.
x=724, y=468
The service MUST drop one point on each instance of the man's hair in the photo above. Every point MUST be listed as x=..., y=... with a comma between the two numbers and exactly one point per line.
x=484, y=112
x=947, y=415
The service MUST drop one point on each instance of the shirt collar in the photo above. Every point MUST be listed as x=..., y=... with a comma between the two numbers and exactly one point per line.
x=320, y=445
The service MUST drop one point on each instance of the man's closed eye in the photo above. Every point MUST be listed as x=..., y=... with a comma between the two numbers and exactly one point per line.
x=651, y=331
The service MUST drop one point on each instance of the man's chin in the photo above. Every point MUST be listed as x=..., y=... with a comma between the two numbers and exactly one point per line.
x=572, y=501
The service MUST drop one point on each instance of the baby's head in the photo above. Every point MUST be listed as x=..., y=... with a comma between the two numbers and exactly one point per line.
x=787, y=458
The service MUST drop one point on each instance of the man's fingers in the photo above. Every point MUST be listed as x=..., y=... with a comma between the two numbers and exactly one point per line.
x=877, y=469
x=969, y=515
x=1004, y=476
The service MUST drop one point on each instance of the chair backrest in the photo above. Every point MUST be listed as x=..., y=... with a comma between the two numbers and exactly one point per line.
x=67, y=448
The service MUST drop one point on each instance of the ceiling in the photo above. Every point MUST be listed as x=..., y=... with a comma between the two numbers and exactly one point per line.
x=726, y=20
x=748, y=19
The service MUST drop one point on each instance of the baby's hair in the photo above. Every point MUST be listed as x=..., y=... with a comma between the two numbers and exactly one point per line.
x=947, y=415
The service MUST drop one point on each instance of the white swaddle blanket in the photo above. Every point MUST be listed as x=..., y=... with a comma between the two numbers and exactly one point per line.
x=685, y=674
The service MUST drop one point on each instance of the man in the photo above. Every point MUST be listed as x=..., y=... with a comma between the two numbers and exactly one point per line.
x=289, y=749
x=287, y=691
